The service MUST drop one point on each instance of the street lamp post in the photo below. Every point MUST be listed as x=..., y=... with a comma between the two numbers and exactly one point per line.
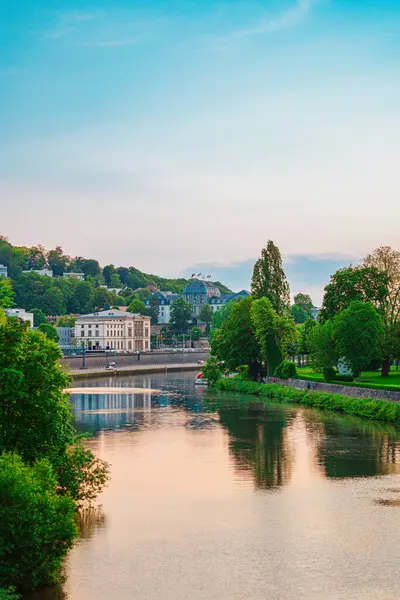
x=83, y=356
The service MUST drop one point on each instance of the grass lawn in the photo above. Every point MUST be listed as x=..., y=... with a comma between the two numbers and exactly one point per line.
x=368, y=378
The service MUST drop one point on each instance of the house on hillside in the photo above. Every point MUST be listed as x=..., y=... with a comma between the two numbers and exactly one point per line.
x=165, y=301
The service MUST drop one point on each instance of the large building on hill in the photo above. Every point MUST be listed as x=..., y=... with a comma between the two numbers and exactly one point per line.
x=218, y=303
x=199, y=293
x=113, y=330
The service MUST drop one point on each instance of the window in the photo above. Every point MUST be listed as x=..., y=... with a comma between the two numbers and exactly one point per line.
x=146, y=332
x=82, y=326
x=129, y=331
x=129, y=345
x=139, y=329
x=82, y=334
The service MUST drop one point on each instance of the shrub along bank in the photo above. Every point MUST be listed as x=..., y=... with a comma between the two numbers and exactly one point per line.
x=378, y=410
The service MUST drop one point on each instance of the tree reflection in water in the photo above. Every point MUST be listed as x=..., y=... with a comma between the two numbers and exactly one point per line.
x=259, y=442
x=352, y=447
x=89, y=520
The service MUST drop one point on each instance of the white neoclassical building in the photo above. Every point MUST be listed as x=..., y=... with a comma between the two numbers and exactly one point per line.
x=113, y=330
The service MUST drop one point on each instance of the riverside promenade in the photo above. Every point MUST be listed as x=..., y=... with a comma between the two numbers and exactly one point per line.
x=134, y=369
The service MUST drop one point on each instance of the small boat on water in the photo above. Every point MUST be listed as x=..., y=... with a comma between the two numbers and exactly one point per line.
x=199, y=380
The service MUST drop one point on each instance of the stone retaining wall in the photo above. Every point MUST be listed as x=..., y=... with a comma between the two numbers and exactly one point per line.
x=335, y=388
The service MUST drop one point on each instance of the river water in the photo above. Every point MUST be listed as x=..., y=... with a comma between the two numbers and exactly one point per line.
x=215, y=499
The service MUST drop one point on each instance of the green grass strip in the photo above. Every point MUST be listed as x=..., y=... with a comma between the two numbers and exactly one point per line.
x=376, y=410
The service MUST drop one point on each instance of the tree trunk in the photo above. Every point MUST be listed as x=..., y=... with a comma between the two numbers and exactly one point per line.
x=385, y=367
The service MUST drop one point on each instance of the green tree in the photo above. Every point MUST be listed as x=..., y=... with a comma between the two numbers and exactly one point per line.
x=269, y=279
x=387, y=262
x=181, y=315
x=115, y=281
x=50, y=331
x=137, y=307
x=7, y=293
x=272, y=331
x=195, y=334
x=37, y=526
x=107, y=272
x=88, y=266
x=37, y=258
x=38, y=317
x=102, y=298
x=35, y=413
x=35, y=417
x=58, y=261
x=235, y=343
x=365, y=284
x=154, y=309
x=66, y=321
x=84, y=297
x=299, y=314
x=321, y=345
x=212, y=370
x=221, y=315
x=358, y=334
x=304, y=330
x=304, y=301
x=206, y=314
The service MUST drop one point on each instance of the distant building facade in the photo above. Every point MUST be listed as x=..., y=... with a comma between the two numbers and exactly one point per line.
x=79, y=276
x=113, y=330
x=42, y=272
x=65, y=336
x=20, y=313
x=199, y=293
x=315, y=312
x=3, y=271
x=217, y=303
x=165, y=302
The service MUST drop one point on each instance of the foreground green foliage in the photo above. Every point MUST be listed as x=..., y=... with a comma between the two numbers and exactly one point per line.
x=45, y=472
x=37, y=526
x=379, y=410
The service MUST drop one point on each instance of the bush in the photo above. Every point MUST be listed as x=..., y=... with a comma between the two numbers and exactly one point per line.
x=37, y=526
x=379, y=410
x=81, y=474
x=8, y=594
x=212, y=370
x=329, y=373
x=346, y=378
x=286, y=370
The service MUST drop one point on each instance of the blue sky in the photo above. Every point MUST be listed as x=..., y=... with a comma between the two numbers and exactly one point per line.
x=171, y=134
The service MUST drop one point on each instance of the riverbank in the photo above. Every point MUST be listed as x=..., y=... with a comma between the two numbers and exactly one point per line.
x=132, y=370
x=377, y=410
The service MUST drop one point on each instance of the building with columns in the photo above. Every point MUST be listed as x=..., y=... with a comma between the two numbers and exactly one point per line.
x=113, y=330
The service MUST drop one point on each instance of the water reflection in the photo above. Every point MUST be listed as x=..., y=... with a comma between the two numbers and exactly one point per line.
x=90, y=520
x=258, y=442
x=211, y=497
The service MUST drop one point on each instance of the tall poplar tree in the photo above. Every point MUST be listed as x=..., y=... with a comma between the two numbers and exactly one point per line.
x=269, y=279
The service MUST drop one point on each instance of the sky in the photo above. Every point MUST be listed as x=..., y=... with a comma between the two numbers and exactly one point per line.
x=178, y=135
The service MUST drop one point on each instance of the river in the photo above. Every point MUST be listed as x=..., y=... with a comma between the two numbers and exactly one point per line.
x=214, y=499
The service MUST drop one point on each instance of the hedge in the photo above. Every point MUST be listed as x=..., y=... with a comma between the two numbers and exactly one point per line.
x=378, y=410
